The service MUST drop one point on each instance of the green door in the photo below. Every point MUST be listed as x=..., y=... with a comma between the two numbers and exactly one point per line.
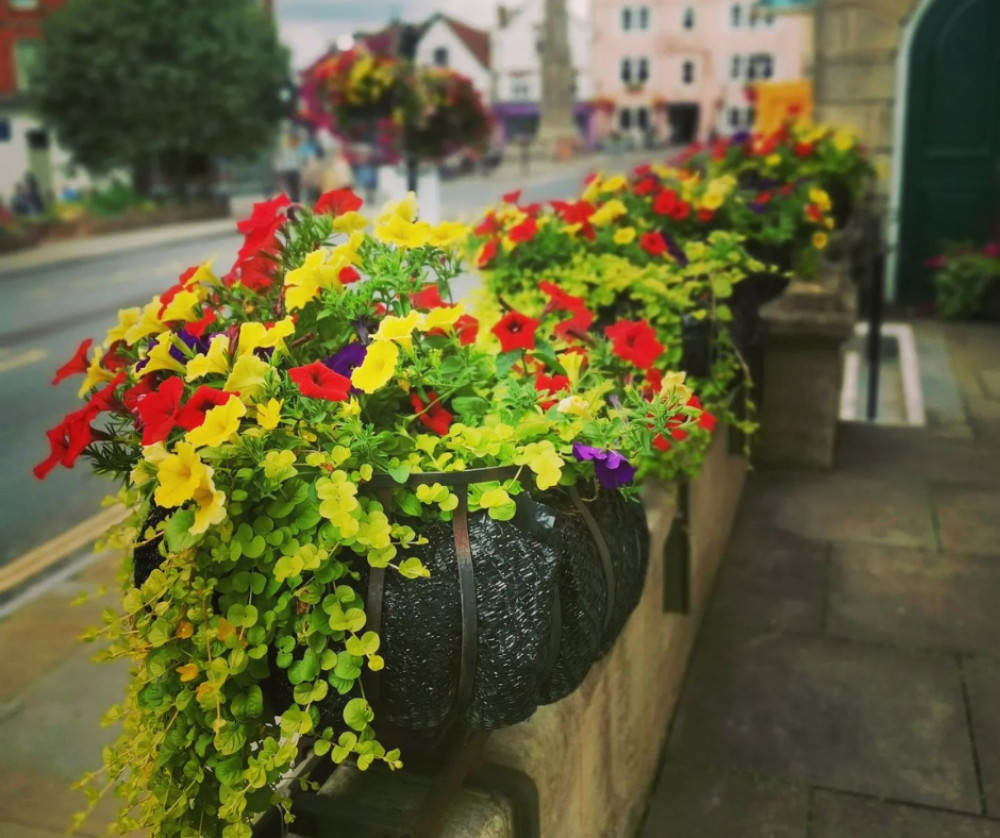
x=951, y=165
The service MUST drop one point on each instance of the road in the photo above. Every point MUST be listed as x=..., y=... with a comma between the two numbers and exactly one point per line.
x=47, y=312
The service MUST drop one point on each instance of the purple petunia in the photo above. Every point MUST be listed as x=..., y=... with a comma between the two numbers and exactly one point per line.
x=197, y=345
x=611, y=468
x=346, y=360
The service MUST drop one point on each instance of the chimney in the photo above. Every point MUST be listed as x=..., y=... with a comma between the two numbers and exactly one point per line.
x=503, y=16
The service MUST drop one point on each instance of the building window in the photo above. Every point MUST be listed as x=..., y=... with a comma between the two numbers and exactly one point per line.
x=625, y=119
x=441, y=57
x=643, y=72
x=626, y=70
x=734, y=117
x=643, y=15
x=736, y=15
x=25, y=58
x=642, y=119
x=687, y=72
x=736, y=68
x=627, y=18
x=689, y=18
x=761, y=67
x=520, y=90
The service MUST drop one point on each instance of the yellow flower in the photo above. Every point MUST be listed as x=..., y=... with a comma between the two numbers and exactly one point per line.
x=320, y=270
x=820, y=240
x=180, y=475
x=258, y=336
x=211, y=506
x=220, y=425
x=247, y=376
x=350, y=408
x=593, y=188
x=378, y=367
x=608, y=212
x=820, y=198
x=442, y=318
x=349, y=222
x=188, y=672
x=399, y=328
x=127, y=318
x=626, y=235
x=447, y=233
x=403, y=233
x=712, y=200
x=573, y=406
x=572, y=362
x=674, y=387
x=268, y=415
x=184, y=306
x=844, y=140
x=216, y=360
x=184, y=630
x=96, y=374
x=614, y=184
x=159, y=356
x=404, y=210
x=149, y=323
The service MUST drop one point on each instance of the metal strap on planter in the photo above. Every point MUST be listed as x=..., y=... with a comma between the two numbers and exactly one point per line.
x=602, y=549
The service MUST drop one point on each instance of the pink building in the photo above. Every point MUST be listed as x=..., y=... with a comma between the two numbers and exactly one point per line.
x=678, y=69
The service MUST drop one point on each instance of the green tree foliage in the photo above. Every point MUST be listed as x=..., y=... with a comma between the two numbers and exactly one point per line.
x=133, y=82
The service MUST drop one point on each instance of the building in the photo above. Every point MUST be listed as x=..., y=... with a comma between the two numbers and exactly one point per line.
x=447, y=42
x=517, y=69
x=677, y=70
x=920, y=81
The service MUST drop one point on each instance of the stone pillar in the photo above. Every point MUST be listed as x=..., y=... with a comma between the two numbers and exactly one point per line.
x=557, y=132
x=804, y=334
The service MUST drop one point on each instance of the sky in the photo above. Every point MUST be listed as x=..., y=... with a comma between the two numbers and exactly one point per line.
x=310, y=26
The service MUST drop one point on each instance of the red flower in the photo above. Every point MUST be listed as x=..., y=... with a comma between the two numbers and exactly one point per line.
x=719, y=150
x=76, y=365
x=434, y=417
x=348, y=275
x=646, y=186
x=192, y=415
x=559, y=300
x=488, y=226
x=531, y=209
x=575, y=326
x=337, y=202
x=680, y=211
x=803, y=149
x=198, y=327
x=635, y=341
x=512, y=197
x=428, y=297
x=706, y=420
x=705, y=215
x=642, y=169
x=763, y=198
x=67, y=441
x=105, y=399
x=159, y=409
x=134, y=395
x=550, y=385
x=653, y=244
x=524, y=232
x=814, y=213
x=665, y=202
x=253, y=272
x=488, y=253
x=467, y=329
x=262, y=225
x=516, y=331
x=578, y=212
x=787, y=189
x=318, y=381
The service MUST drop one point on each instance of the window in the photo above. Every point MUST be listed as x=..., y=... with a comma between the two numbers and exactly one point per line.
x=687, y=72
x=627, y=18
x=520, y=89
x=625, y=119
x=761, y=66
x=734, y=117
x=441, y=57
x=689, y=18
x=643, y=72
x=25, y=58
x=736, y=15
x=644, y=17
x=642, y=119
x=736, y=68
x=626, y=70
x=767, y=65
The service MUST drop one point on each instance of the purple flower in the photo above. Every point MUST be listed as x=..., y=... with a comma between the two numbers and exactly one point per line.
x=611, y=468
x=739, y=138
x=674, y=249
x=346, y=360
x=199, y=347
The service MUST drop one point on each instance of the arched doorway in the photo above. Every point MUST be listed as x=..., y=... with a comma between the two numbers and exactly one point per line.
x=950, y=170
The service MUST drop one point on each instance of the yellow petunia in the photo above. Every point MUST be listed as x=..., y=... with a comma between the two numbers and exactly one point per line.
x=821, y=199
x=405, y=210
x=712, y=201
x=614, y=184
x=149, y=323
x=673, y=386
x=221, y=424
x=447, y=233
x=247, y=377
x=442, y=318
x=96, y=374
x=626, y=235
x=320, y=270
x=257, y=336
x=127, y=318
x=159, y=357
x=378, y=367
x=399, y=328
x=180, y=474
x=403, y=233
x=773, y=160
x=820, y=240
x=350, y=222
x=211, y=508
x=268, y=415
x=844, y=140
x=573, y=406
x=572, y=362
x=215, y=361
x=184, y=306
x=609, y=212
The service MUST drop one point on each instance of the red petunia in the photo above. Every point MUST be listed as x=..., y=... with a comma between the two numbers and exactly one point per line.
x=488, y=226
x=575, y=326
x=67, y=441
x=318, y=381
x=158, y=410
x=512, y=197
x=653, y=244
x=635, y=341
x=516, y=331
x=337, y=202
x=524, y=232
x=467, y=329
x=434, y=417
x=488, y=253
x=665, y=202
x=559, y=300
x=646, y=186
x=77, y=365
x=642, y=169
x=192, y=415
x=531, y=209
x=550, y=385
x=427, y=298
x=348, y=275
x=803, y=149
x=262, y=226
x=814, y=213
x=253, y=272
x=705, y=215
x=105, y=398
x=198, y=327
x=706, y=421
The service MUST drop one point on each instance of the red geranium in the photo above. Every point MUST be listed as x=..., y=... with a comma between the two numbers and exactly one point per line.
x=192, y=415
x=159, y=410
x=635, y=341
x=318, y=381
x=76, y=365
x=337, y=202
x=488, y=253
x=434, y=417
x=653, y=244
x=516, y=331
x=428, y=297
x=262, y=225
x=524, y=232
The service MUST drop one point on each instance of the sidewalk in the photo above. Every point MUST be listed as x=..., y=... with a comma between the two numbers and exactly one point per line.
x=847, y=678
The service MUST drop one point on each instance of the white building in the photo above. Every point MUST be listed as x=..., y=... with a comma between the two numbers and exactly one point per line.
x=447, y=42
x=517, y=67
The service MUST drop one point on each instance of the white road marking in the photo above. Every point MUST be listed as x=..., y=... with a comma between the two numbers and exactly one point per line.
x=23, y=359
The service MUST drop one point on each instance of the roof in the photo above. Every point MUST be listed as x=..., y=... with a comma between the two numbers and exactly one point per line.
x=477, y=40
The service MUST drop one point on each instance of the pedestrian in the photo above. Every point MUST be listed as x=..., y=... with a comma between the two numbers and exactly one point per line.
x=312, y=176
x=287, y=166
x=34, y=194
x=20, y=205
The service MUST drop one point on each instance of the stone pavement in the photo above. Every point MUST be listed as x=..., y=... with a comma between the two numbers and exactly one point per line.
x=847, y=678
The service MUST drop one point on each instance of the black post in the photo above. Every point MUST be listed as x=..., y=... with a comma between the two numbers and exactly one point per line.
x=412, y=173
x=876, y=272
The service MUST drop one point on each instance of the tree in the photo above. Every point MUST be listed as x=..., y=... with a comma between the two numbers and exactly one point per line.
x=174, y=82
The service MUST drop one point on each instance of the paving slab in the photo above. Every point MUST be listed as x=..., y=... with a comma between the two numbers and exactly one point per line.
x=915, y=598
x=841, y=715
x=982, y=680
x=845, y=816
x=835, y=506
x=969, y=519
x=771, y=579
x=707, y=803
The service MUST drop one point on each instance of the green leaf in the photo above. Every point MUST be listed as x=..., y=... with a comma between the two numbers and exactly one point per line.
x=159, y=633
x=305, y=669
x=255, y=549
x=321, y=747
x=470, y=406
x=229, y=739
x=348, y=666
x=358, y=714
x=505, y=363
x=400, y=473
x=177, y=531
x=230, y=771
x=412, y=569
x=249, y=705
